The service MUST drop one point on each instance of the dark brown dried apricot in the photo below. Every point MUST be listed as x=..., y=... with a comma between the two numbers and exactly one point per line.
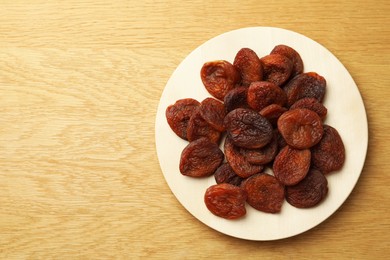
x=272, y=113
x=301, y=128
x=226, y=174
x=238, y=162
x=264, y=93
x=236, y=98
x=226, y=200
x=291, y=165
x=247, y=128
x=309, y=84
x=179, y=114
x=213, y=111
x=276, y=68
x=265, y=192
x=249, y=65
x=198, y=127
x=219, y=77
x=329, y=154
x=312, y=104
x=200, y=158
x=308, y=192
x=293, y=55
x=262, y=155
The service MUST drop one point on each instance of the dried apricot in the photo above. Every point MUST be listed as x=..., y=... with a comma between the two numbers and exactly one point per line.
x=179, y=114
x=249, y=65
x=293, y=55
x=308, y=192
x=247, y=128
x=198, y=127
x=200, y=158
x=236, y=98
x=262, y=155
x=309, y=84
x=291, y=165
x=264, y=93
x=276, y=68
x=238, y=162
x=272, y=113
x=226, y=174
x=213, y=111
x=312, y=104
x=265, y=192
x=226, y=200
x=301, y=128
x=329, y=154
x=219, y=77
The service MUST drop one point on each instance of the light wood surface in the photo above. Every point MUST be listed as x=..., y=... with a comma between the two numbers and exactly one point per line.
x=79, y=87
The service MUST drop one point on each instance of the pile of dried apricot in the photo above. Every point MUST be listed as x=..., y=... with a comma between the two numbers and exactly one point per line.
x=268, y=113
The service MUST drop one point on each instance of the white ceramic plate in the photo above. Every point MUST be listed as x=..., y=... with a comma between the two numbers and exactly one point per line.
x=345, y=112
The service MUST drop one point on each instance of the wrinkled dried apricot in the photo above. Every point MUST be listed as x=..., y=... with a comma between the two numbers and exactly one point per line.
x=236, y=98
x=329, y=154
x=291, y=165
x=238, y=162
x=262, y=155
x=309, y=192
x=247, y=128
x=272, y=113
x=276, y=68
x=200, y=158
x=264, y=93
x=226, y=200
x=313, y=104
x=293, y=55
x=265, y=192
x=219, y=77
x=301, y=128
x=198, y=127
x=226, y=174
x=309, y=84
x=249, y=65
x=179, y=114
x=213, y=112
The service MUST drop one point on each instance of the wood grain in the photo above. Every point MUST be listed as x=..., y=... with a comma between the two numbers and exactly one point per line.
x=79, y=87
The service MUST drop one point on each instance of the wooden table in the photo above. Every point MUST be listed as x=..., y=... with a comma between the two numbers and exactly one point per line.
x=79, y=87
